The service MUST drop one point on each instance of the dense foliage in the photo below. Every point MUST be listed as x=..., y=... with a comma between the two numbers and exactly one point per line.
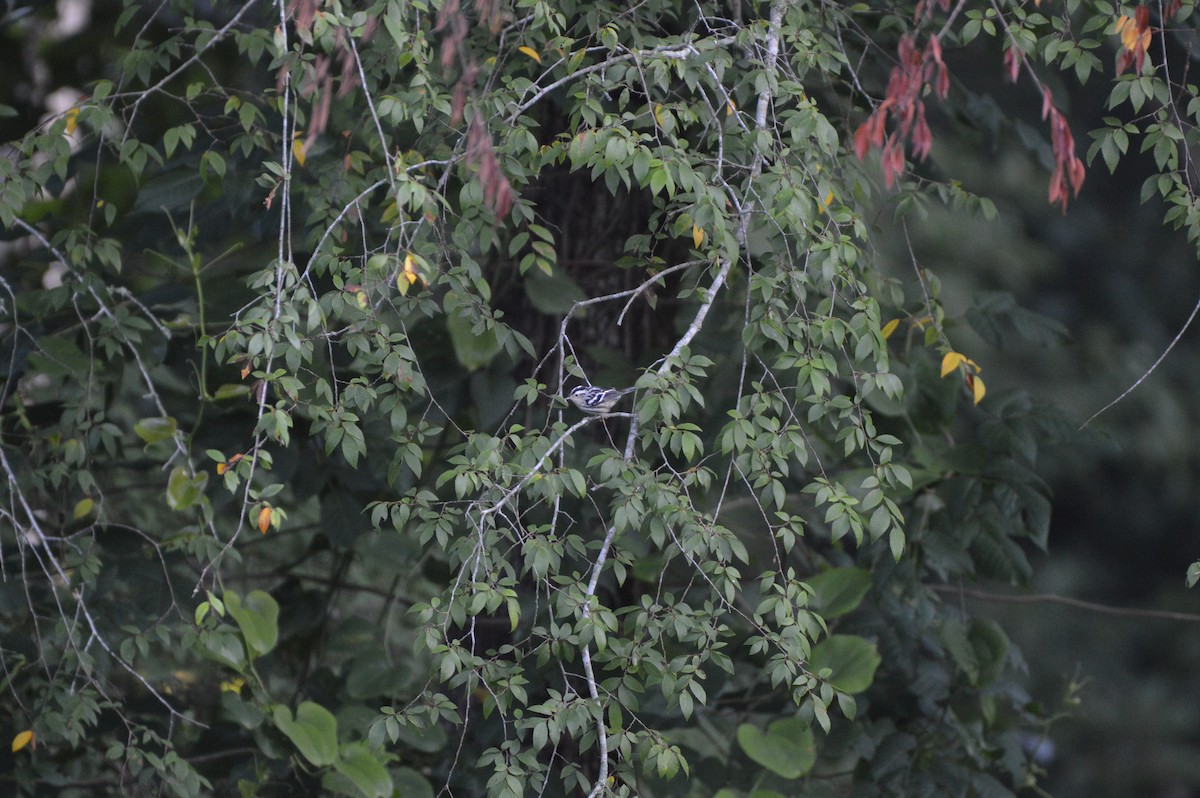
x=293, y=501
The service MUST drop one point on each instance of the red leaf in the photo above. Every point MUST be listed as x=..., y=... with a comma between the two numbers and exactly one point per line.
x=862, y=139
x=1056, y=194
x=1123, y=62
x=937, y=67
x=1012, y=62
x=1077, y=174
x=922, y=138
x=497, y=192
x=892, y=161
x=925, y=8
x=870, y=132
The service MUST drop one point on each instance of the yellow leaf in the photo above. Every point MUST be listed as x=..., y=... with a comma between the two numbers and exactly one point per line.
x=83, y=508
x=658, y=113
x=233, y=685
x=1131, y=37
x=72, y=120
x=529, y=51
x=299, y=150
x=977, y=387
x=23, y=739
x=416, y=269
x=697, y=235
x=264, y=519
x=730, y=107
x=186, y=676
x=890, y=328
x=412, y=272
x=951, y=361
x=222, y=468
x=823, y=205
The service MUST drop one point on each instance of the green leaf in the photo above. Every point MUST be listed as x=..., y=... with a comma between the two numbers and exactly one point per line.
x=411, y=784
x=212, y=161
x=184, y=491
x=991, y=649
x=173, y=190
x=231, y=390
x=851, y=660
x=242, y=712
x=257, y=617
x=953, y=635
x=223, y=646
x=361, y=766
x=473, y=351
x=58, y=357
x=313, y=731
x=786, y=748
x=838, y=591
x=155, y=430
x=553, y=294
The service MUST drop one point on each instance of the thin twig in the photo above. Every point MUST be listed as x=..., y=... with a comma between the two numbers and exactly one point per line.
x=1191, y=317
x=1066, y=601
x=217, y=36
x=671, y=53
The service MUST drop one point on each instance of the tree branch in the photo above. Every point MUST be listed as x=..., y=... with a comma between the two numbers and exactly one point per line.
x=1066, y=601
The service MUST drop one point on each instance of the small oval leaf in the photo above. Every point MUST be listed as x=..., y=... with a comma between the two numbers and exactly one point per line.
x=83, y=508
x=154, y=430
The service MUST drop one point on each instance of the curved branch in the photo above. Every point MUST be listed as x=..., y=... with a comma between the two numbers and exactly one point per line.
x=1066, y=601
x=745, y=212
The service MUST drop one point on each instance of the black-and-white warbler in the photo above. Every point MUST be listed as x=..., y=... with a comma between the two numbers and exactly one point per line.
x=597, y=401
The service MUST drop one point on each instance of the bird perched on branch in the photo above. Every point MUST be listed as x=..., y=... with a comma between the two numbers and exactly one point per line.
x=597, y=401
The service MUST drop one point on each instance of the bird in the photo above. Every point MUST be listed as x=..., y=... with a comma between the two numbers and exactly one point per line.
x=597, y=401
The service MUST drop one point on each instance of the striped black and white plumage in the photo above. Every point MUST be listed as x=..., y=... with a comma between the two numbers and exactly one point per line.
x=597, y=401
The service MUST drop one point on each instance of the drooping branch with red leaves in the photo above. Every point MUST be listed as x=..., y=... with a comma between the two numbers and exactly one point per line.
x=1068, y=169
x=917, y=69
x=481, y=153
x=1068, y=175
x=922, y=69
